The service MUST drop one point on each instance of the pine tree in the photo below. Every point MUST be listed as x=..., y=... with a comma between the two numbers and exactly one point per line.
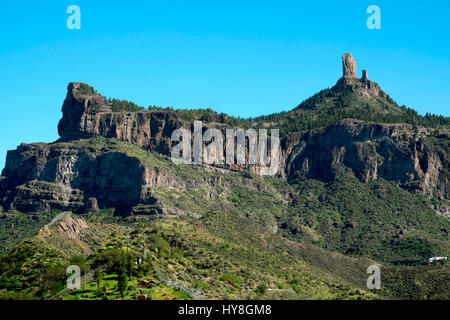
x=122, y=276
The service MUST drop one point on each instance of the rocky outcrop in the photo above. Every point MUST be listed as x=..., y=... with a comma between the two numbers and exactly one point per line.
x=67, y=229
x=71, y=227
x=348, y=65
x=87, y=115
x=349, y=81
x=365, y=77
x=78, y=178
x=396, y=153
x=41, y=177
x=36, y=196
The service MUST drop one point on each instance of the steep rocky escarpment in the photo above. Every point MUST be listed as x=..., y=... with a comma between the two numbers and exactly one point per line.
x=66, y=177
x=87, y=114
x=398, y=153
x=85, y=176
x=88, y=175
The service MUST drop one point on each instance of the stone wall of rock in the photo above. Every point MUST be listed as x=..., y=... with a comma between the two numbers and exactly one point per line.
x=87, y=115
x=40, y=177
x=69, y=177
x=65, y=176
x=368, y=150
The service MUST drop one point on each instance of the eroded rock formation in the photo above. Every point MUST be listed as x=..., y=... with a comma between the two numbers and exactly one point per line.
x=71, y=227
x=87, y=115
x=350, y=81
x=369, y=151
x=348, y=65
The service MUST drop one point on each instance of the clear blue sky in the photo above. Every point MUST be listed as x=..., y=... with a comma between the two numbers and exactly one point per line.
x=244, y=58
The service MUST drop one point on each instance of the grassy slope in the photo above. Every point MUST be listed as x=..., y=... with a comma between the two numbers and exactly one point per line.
x=378, y=220
x=185, y=251
x=15, y=227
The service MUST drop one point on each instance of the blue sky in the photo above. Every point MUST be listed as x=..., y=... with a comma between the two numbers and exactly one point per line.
x=244, y=58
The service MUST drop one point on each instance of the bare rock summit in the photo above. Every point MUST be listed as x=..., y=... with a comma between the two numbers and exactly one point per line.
x=348, y=65
x=350, y=81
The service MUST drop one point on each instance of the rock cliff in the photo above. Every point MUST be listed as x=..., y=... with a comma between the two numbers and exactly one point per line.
x=75, y=176
x=398, y=153
x=350, y=81
x=87, y=114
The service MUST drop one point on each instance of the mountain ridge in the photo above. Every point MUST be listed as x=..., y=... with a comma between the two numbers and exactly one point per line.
x=350, y=191
x=405, y=154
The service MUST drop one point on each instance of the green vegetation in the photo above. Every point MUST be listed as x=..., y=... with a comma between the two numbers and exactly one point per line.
x=378, y=220
x=240, y=236
x=124, y=105
x=86, y=89
x=328, y=107
x=322, y=109
x=234, y=281
x=185, y=252
x=16, y=227
x=425, y=282
x=31, y=270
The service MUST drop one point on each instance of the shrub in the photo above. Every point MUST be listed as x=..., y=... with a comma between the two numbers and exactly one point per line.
x=230, y=279
x=124, y=105
x=261, y=289
x=84, y=88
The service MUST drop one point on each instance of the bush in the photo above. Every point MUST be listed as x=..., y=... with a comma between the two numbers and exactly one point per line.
x=124, y=105
x=296, y=288
x=200, y=284
x=230, y=279
x=261, y=289
x=84, y=88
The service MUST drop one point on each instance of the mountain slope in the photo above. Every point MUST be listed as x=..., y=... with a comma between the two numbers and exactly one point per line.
x=361, y=181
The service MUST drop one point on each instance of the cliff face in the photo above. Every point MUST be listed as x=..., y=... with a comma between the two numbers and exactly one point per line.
x=85, y=176
x=86, y=115
x=397, y=153
x=72, y=176
x=40, y=177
